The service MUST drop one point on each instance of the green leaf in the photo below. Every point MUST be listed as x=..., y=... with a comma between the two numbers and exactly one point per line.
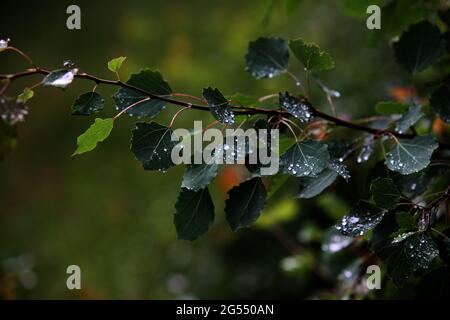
x=26, y=95
x=152, y=145
x=389, y=107
x=115, y=64
x=405, y=221
x=312, y=186
x=296, y=107
x=363, y=216
x=12, y=112
x=88, y=103
x=384, y=193
x=407, y=253
x=267, y=57
x=219, y=105
x=198, y=176
x=421, y=46
x=194, y=213
x=245, y=203
x=305, y=159
x=409, y=119
x=411, y=155
x=96, y=133
x=149, y=81
x=311, y=56
x=440, y=102
x=59, y=78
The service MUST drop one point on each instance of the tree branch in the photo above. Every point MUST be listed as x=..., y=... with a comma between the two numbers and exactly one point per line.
x=238, y=110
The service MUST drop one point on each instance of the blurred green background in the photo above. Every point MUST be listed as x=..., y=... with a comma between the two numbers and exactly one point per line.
x=103, y=212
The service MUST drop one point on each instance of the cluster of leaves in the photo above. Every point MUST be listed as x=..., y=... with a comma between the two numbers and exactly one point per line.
x=401, y=221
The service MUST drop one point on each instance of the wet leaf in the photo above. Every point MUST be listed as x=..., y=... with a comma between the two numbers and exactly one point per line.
x=421, y=46
x=267, y=57
x=219, y=105
x=440, y=102
x=362, y=217
x=384, y=193
x=96, y=133
x=340, y=168
x=152, y=145
x=198, y=176
x=60, y=78
x=88, y=103
x=149, y=81
x=411, y=155
x=311, y=56
x=407, y=253
x=245, y=203
x=305, y=159
x=295, y=106
x=409, y=119
x=194, y=213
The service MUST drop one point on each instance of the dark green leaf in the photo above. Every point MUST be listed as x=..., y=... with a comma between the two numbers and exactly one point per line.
x=152, y=145
x=245, y=203
x=340, y=168
x=295, y=106
x=219, y=105
x=411, y=155
x=384, y=193
x=148, y=81
x=362, y=217
x=88, y=103
x=440, y=102
x=305, y=159
x=421, y=46
x=405, y=221
x=389, y=107
x=312, y=186
x=409, y=119
x=407, y=253
x=267, y=57
x=311, y=56
x=194, y=213
x=59, y=78
x=96, y=133
x=198, y=176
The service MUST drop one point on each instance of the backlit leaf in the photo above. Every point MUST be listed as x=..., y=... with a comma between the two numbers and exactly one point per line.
x=96, y=133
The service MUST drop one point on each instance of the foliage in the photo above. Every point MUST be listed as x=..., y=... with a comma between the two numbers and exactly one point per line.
x=402, y=220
